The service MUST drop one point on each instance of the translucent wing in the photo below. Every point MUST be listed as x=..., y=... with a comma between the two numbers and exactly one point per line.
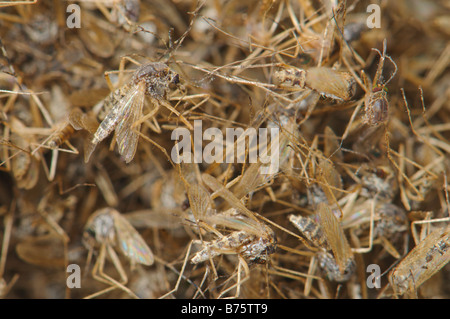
x=88, y=150
x=232, y=219
x=331, y=83
x=117, y=113
x=199, y=200
x=335, y=236
x=331, y=145
x=126, y=135
x=158, y=217
x=228, y=196
x=329, y=176
x=249, y=181
x=130, y=242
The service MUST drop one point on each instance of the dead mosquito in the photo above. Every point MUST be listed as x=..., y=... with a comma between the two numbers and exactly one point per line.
x=376, y=104
x=77, y=120
x=253, y=240
x=427, y=258
x=385, y=223
x=107, y=228
x=379, y=180
x=331, y=83
x=122, y=109
x=325, y=232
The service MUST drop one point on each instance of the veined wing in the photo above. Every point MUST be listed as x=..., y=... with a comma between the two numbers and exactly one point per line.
x=111, y=120
x=199, y=200
x=130, y=242
x=427, y=258
x=335, y=236
x=126, y=135
x=227, y=195
x=231, y=218
x=249, y=181
x=330, y=82
x=115, y=115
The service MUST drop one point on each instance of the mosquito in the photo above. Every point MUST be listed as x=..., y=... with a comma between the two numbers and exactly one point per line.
x=426, y=259
x=108, y=228
x=122, y=109
x=379, y=180
x=331, y=83
x=76, y=120
x=335, y=255
x=376, y=104
x=252, y=239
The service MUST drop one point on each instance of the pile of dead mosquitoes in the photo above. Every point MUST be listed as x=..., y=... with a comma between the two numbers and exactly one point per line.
x=99, y=99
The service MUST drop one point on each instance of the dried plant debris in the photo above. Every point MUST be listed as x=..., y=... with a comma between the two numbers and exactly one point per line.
x=217, y=149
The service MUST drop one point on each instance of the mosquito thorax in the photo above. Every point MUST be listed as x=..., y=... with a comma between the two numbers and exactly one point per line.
x=290, y=76
x=331, y=269
x=157, y=77
x=100, y=228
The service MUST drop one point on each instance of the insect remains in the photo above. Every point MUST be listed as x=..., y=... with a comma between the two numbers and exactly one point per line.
x=376, y=104
x=427, y=258
x=107, y=228
x=253, y=240
x=335, y=255
x=121, y=110
x=331, y=83
x=77, y=120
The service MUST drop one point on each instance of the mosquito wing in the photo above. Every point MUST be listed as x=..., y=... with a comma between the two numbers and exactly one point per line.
x=131, y=243
x=127, y=136
x=335, y=236
x=329, y=176
x=231, y=218
x=199, y=200
x=249, y=181
x=427, y=258
x=227, y=195
x=331, y=145
x=331, y=83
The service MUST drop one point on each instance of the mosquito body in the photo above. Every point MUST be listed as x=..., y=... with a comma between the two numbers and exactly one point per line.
x=122, y=108
x=328, y=82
